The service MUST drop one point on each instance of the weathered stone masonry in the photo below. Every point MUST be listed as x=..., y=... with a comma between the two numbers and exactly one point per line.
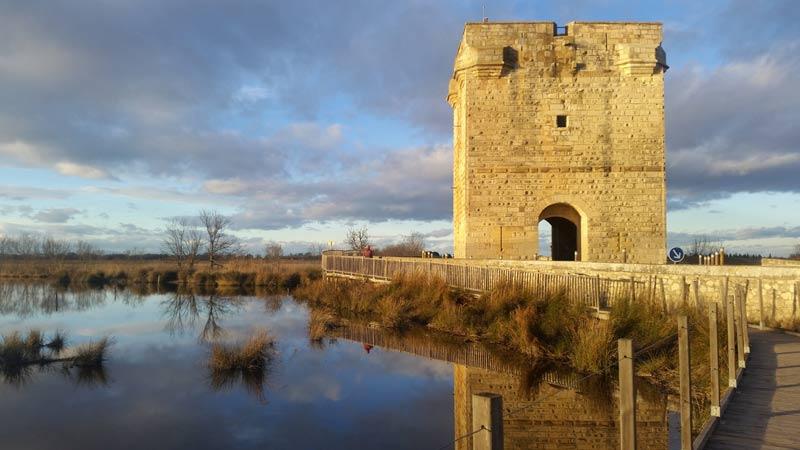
x=597, y=174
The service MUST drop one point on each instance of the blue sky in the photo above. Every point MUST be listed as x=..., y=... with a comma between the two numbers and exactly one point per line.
x=302, y=118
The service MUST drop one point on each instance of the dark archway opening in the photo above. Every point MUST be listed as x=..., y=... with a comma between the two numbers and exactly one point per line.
x=564, y=242
x=562, y=233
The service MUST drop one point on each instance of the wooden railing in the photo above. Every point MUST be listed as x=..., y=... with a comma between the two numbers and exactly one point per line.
x=593, y=291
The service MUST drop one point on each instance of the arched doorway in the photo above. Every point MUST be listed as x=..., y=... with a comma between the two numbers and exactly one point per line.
x=565, y=230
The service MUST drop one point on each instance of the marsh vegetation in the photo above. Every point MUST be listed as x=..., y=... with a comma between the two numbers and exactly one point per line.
x=21, y=354
x=541, y=329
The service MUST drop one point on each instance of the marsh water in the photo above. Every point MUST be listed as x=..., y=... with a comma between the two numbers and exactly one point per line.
x=358, y=388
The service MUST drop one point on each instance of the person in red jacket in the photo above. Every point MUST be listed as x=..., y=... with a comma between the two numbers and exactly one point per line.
x=367, y=252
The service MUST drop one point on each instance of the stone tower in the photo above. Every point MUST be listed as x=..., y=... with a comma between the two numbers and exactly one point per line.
x=563, y=124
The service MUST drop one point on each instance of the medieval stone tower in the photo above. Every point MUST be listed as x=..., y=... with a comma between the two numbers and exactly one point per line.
x=563, y=124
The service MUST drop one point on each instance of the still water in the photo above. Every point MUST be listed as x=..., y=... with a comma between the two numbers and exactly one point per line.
x=360, y=388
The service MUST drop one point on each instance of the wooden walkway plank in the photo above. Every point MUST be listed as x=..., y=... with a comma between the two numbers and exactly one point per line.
x=765, y=410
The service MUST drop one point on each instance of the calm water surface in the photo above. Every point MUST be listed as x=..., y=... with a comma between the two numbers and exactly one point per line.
x=156, y=391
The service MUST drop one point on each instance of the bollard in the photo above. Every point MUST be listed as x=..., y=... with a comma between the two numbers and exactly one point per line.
x=627, y=395
x=684, y=359
x=713, y=355
x=487, y=415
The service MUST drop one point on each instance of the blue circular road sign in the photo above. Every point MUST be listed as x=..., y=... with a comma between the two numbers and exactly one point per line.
x=676, y=254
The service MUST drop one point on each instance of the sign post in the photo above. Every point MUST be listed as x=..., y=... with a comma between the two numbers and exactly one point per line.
x=676, y=254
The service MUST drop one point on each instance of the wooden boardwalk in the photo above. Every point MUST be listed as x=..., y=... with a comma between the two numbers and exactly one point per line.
x=765, y=409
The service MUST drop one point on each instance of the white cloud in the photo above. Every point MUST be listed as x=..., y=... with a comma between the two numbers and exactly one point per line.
x=225, y=187
x=80, y=170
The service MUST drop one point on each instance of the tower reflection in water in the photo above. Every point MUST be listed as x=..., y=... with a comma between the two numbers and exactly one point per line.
x=543, y=407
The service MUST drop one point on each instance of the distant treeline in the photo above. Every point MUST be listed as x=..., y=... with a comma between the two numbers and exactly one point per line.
x=31, y=246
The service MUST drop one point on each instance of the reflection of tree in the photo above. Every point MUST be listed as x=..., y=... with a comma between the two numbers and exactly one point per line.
x=28, y=299
x=184, y=309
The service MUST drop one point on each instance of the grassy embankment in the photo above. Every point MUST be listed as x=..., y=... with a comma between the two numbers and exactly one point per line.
x=553, y=328
x=273, y=275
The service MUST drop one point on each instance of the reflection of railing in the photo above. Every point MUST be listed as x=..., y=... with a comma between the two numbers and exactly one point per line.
x=593, y=291
x=466, y=354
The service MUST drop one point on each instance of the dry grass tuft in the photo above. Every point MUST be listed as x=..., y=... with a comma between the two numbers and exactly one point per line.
x=593, y=346
x=91, y=354
x=250, y=355
x=248, y=363
x=320, y=322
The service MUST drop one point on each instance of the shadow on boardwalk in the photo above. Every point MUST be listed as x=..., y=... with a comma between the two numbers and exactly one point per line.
x=765, y=411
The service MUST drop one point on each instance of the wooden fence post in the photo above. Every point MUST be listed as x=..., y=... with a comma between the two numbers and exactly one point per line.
x=663, y=294
x=685, y=383
x=627, y=395
x=774, y=299
x=487, y=415
x=713, y=353
x=760, y=306
x=633, y=290
x=684, y=291
x=696, y=292
x=724, y=301
x=731, y=343
x=743, y=310
x=741, y=329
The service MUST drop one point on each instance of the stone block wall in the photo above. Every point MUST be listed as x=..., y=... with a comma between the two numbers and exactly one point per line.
x=772, y=291
x=512, y=160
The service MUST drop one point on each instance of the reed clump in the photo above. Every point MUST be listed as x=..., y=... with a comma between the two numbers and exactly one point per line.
x=247, y=356
x=247, y=362
x=320, y=322
x=18, y=354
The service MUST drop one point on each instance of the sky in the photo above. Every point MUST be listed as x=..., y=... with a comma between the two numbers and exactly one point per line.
x=301, y=119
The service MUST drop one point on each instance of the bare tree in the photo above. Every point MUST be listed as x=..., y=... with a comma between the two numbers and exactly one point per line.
x=410, y=245
x=53, y=248
x=193, y=243
x=317, y=248
x=704, y=245
x=28, y=245
x=218, y=242
x=796, y=252
x=182, y=241
x=273, y=250
x=357, y=238
x=175, y=241
x=8, y=246
x=86, y=251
